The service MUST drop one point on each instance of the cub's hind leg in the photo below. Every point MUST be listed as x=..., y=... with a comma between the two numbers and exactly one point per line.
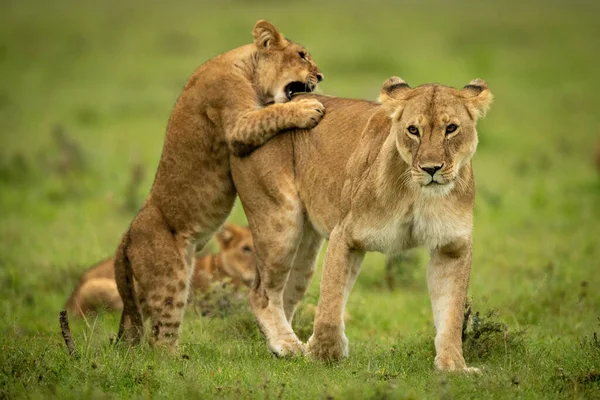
x=161, y=261
x=303, y=269
x=131, y=327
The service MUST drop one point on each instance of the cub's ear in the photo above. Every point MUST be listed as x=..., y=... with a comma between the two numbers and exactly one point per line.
x=393, y=93
x=266, y=35
x=225, y=236
x=478, y=97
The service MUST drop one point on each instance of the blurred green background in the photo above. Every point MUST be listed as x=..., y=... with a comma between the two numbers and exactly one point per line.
x=86, y=89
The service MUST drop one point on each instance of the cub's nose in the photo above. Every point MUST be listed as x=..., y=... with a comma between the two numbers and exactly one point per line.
x=320, y=77
x=431, y=170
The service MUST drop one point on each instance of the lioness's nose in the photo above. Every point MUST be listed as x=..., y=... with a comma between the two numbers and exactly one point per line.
x=320, y=77
x=431, y=170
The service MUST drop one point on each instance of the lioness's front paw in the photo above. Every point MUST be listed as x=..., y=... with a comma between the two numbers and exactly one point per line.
x=454, y=364
x=284, y=347
x=328, y=346
x=310, y=111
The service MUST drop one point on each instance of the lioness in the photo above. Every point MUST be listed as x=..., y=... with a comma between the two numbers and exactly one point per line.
x=225, y=107
x=97, y=289
x=371, y=176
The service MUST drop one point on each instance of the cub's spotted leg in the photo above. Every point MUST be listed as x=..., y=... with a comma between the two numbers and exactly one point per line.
x=162, y=266
x=131, y=327
x=303, y=269
x=448, y=281
x=342, y=265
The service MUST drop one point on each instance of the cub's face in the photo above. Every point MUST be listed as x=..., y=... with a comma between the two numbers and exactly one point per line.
x=435, y=129
x=237, y=253
x=284, y=68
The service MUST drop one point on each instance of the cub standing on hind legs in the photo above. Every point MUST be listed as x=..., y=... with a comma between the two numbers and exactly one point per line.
x=370, y=177
x=232, y=104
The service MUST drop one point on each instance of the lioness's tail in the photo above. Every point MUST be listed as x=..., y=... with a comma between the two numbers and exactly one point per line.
x=131, y=327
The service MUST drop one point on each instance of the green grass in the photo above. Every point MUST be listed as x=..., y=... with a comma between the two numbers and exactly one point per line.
x=109, y=72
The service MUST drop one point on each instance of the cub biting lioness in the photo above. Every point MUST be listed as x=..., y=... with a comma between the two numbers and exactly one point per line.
x=371, y=176
x=97, y=289
x=232, y=104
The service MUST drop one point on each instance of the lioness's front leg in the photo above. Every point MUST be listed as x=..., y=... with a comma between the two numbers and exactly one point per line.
x=342, y=265
x=448, y=281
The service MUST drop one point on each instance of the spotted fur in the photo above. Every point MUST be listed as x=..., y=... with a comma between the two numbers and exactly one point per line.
x=97, y=288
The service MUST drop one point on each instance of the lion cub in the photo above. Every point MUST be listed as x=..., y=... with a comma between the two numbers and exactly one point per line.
x=371, y=176
x=97, y=289
x=232, y=104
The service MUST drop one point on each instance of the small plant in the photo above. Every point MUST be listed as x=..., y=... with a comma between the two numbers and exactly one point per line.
x=484, y=334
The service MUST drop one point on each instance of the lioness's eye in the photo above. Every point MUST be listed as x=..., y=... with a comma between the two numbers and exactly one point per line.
x=247, y=249
x=451, y=128
x=302, y=55
x=413, y=130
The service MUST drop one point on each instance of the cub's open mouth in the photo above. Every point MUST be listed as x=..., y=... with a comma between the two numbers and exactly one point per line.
x=296, y=87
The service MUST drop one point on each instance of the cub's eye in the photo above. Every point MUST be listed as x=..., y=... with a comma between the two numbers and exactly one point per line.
x=451, y=128
x=302, y=55
x=247, y=249
x=413, y=130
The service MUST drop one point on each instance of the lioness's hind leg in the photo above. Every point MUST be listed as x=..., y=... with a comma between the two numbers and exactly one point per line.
x=276, y=240
x=303, y=269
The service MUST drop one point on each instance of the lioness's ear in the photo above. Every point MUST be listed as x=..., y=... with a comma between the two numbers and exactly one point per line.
x=225, y=236
x=393, y=93
x=266, y=35
x=478, y=96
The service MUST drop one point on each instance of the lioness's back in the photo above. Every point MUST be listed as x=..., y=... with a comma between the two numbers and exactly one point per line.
x=321, y=154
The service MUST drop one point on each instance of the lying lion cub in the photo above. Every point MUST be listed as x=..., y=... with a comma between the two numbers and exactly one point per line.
x=97, y=289
x=232, y=104
x=371, y=177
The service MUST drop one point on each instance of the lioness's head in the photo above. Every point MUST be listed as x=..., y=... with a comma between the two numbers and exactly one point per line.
x=434, y=127
x=284, y=68
x=237, y=253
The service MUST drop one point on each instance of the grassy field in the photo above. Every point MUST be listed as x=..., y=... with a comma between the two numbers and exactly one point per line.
x=86, y=89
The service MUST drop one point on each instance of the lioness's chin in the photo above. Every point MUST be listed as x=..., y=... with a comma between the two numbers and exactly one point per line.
x=434, y=189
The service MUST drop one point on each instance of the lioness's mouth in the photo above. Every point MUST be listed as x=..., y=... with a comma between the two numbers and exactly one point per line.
x=435, y=184
x=296, y=87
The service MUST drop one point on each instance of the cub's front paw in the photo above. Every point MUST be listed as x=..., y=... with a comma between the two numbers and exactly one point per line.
x=327, y=346
x=310, y=112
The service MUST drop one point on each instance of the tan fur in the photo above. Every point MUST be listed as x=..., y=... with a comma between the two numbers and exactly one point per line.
x=97, y=288
x=232, y=103
x=358, y=179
